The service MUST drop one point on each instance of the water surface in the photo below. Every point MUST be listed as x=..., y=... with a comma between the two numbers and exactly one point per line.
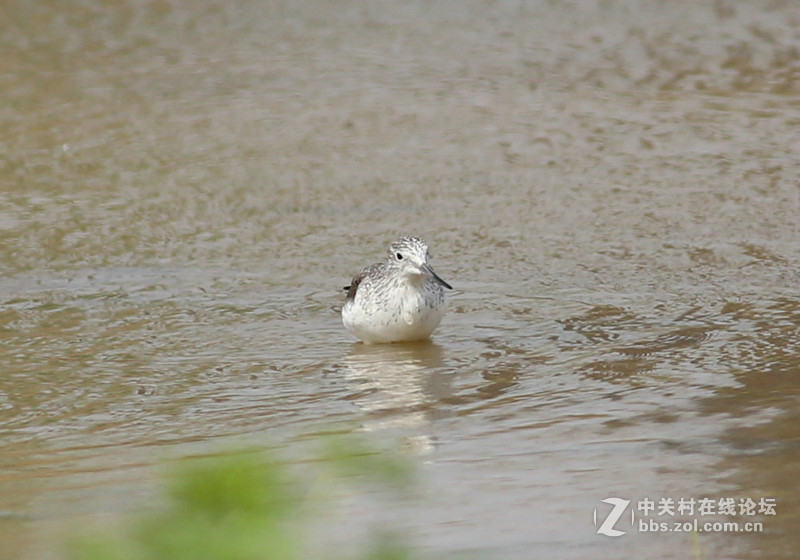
x=611, y=187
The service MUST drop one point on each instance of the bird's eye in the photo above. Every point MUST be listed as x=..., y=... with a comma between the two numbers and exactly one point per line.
x=399, y=256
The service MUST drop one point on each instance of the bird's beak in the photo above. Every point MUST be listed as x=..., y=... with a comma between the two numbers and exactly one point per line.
x=426, y=269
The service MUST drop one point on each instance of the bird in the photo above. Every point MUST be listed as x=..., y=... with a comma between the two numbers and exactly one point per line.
x=400, y=299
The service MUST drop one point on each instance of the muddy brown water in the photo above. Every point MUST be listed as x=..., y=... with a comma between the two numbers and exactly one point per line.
x=612, y=188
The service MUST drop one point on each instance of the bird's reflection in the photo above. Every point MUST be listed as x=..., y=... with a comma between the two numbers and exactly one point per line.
x=398, y=386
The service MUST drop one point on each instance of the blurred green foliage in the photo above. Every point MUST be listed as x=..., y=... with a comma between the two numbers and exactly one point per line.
x=245, y=505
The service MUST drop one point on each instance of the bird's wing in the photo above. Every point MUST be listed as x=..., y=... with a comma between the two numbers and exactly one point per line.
x=353, y=287
x=357, y=279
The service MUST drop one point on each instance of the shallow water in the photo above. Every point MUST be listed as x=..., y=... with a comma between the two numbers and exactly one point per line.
x=611, y=187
